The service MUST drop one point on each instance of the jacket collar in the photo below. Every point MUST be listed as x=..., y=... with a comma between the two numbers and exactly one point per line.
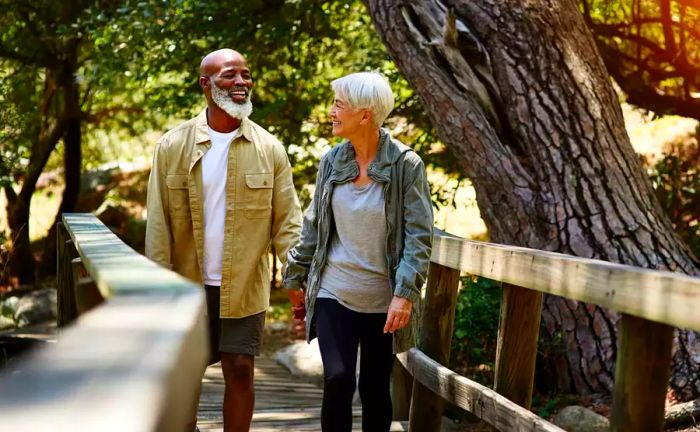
x=202, y=140
x=202, y=131
x=389, y=151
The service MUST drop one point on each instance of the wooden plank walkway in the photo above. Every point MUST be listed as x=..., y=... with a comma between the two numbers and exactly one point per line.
x=282, y=401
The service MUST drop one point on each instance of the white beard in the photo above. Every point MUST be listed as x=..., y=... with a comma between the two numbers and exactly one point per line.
x=223, y=100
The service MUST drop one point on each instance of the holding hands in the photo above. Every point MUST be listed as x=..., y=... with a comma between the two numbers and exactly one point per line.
x=296, y=298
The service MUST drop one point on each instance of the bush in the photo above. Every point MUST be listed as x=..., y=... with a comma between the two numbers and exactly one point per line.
x=476, y=323
x=4, y=258
x=676, y=181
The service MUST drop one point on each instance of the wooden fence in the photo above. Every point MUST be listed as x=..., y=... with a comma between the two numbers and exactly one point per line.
x=651, y=303
x=133, y=355
x=132, y=358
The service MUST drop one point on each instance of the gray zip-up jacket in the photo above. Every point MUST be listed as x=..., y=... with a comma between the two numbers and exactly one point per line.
x=409, y=227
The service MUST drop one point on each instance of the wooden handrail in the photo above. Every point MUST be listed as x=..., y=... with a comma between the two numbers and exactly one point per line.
x=134, y=357
x=666, y=297
x=650, y=301
x=471, y=396
x=133, y=363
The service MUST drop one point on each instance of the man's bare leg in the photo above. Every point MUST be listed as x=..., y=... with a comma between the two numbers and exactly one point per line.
x=239, y=393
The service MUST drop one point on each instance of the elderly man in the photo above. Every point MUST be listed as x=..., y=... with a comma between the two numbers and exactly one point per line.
x=220, y=192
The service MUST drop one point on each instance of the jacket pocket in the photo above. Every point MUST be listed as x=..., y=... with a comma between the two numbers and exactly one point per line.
x=178, y=196
x=258, y=190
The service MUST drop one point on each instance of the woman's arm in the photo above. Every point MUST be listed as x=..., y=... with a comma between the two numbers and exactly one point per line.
x=418, y=230
x=418, y=238
x=300, y=256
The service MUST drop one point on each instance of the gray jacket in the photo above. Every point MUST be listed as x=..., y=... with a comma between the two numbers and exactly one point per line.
x=409, y=226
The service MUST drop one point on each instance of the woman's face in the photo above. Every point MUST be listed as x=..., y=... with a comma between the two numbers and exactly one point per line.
x=346, y=120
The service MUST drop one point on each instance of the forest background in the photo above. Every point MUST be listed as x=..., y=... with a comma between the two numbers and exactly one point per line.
x=87, y=87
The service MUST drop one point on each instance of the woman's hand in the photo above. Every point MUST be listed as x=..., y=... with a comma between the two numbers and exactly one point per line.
x=398, y=315
x=296, y=298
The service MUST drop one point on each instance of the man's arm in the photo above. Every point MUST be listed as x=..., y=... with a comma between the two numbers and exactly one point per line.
x=286, y=211
x=158, y=238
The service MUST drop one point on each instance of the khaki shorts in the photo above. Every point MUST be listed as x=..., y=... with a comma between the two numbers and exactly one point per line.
x=232, y=335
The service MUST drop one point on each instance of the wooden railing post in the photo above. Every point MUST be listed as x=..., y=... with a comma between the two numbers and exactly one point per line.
x=67, y=310
x=642, y=372
x=87, y=296
x=518, y=331
x=401, y=392
x=435, y=340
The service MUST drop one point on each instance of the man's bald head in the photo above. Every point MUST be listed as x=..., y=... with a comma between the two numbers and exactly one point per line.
x=215, y=60
x=226, y=82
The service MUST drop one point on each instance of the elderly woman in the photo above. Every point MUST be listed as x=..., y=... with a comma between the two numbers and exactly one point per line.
x=363, y=254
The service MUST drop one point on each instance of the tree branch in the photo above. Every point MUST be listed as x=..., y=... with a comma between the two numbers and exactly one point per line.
x=666, y=21
x=644, y=95
x=99, y=116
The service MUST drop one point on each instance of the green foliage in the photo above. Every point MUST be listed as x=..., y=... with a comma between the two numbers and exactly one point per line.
x=544, y=407
x=676, y=182
x=137, y=64
x=476, y=321
x=279, y=312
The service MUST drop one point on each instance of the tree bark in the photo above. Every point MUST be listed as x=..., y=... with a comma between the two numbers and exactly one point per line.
x=72, y=155
x=519, y=93
x=21, y=260
x=21, y=263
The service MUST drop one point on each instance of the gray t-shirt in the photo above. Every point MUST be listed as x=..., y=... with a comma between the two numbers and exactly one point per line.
x=356, y=271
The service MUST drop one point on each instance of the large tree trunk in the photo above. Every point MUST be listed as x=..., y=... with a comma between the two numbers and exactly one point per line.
x=519, y=93
x=21, y=263
x=72, y=157
x=21, y=260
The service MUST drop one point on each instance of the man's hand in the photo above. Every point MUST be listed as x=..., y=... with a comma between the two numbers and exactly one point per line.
x=398, y=315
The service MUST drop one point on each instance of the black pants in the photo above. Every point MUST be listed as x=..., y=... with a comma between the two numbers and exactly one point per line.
x=340, y=331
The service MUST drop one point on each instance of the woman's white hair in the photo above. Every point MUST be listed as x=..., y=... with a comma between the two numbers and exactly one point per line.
x=366, y=90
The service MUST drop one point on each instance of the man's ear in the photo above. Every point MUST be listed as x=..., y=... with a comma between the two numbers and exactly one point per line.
x=204, y=82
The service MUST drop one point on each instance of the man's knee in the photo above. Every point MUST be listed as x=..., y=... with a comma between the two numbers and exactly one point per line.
x=237, y=367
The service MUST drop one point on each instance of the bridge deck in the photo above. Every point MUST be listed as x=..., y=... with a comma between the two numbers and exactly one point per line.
x=282, y=402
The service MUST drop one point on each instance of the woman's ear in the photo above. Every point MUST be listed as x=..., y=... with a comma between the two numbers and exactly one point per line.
x=366, y=117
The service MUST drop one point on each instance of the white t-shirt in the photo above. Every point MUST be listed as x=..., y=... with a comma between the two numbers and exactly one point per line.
x=214, y=169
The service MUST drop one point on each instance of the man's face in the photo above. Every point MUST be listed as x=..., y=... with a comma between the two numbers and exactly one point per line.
x=231, y=89
x=235, y=79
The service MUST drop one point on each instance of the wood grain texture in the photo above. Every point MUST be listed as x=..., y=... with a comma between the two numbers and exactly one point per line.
x=666, y=297
x=435, y=341
x=283, y=402
x=481, y=401
x=401, y=392
x=518, y=331
x=641, y=375
x=131, y=364
x=65, y=295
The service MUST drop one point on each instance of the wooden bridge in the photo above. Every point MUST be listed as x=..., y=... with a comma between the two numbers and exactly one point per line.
x=134, y=361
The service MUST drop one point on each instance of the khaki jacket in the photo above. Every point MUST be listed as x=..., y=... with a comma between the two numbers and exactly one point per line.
x=261, y=209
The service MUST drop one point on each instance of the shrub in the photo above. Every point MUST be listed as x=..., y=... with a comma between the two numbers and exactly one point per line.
x=476, y=322
x=676, y=182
